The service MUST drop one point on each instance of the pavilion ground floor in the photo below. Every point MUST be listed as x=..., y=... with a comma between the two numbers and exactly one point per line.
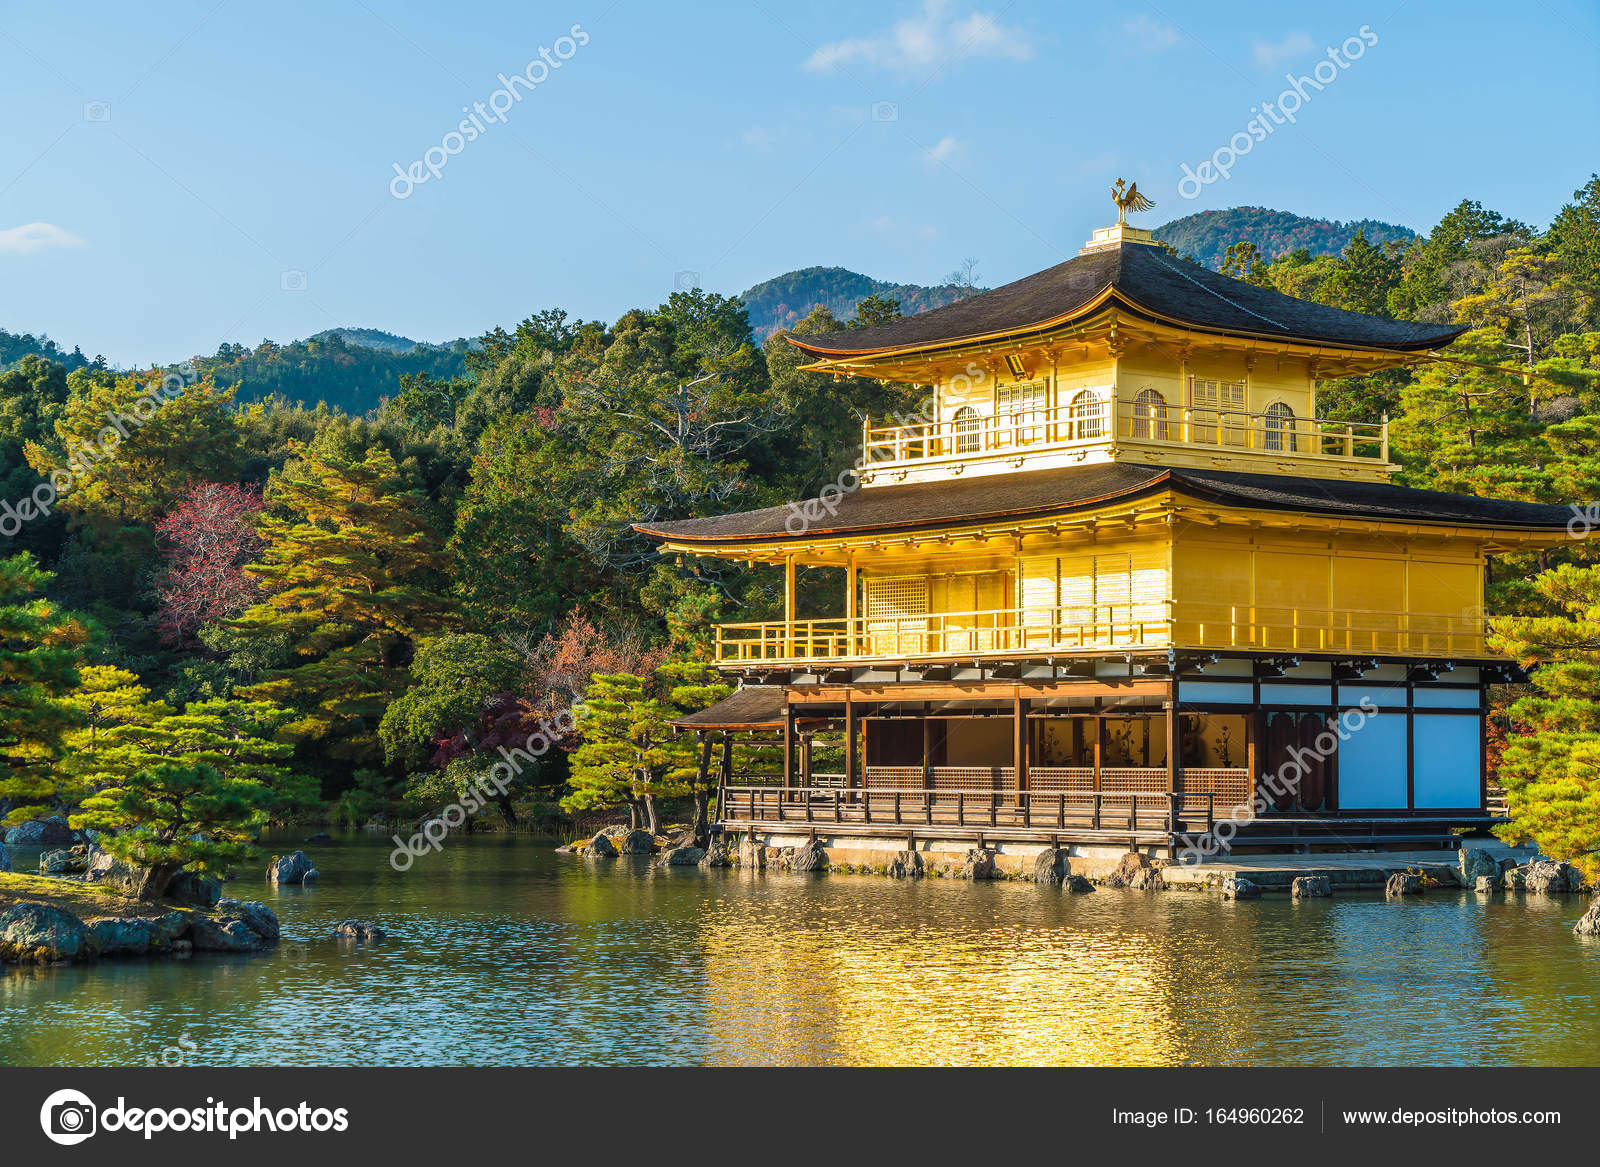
x=1220, y=757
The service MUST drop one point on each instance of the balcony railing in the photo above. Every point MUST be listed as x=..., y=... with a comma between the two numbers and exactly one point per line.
x=1073, y=427
x=954, y=636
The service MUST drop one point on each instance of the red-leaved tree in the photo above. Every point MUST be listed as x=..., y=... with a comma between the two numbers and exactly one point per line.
x=205, y=542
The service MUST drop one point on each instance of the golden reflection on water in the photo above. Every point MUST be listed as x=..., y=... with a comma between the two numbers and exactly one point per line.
x=983, y=975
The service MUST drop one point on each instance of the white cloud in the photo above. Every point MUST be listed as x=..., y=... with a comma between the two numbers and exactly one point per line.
x=922, y=42
x=944, y=151
x=1295, y=46
x=32, y=237
x=760, y=138
x=1151, y=35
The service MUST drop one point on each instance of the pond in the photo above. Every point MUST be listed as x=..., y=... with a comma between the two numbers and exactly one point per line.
x=504, y=953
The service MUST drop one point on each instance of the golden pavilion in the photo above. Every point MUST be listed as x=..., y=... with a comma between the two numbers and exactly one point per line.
x=1120, y=585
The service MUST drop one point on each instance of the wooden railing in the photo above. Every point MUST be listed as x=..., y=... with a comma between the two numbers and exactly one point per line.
x=1077, y=426
x=902, y=806
x=1022, y=631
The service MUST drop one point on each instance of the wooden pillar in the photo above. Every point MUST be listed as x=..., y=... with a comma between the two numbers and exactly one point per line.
x=727, y=758
x=1099, y=746
x=788, y=606
x=927, y=746
x=805, y=759
x=788, y=746
x=1019, y=743
x=850, y=604
x=1174, y=741
x=850, y=740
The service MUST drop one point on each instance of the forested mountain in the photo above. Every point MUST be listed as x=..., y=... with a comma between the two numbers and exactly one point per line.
x=784, y=300
x=373, y=338
x=339, y=367
x=14, y=346
x=1208, y=234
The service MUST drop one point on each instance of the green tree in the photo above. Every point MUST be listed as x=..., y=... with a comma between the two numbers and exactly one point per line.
x=173, y=815
x=350, y=579
x=514, y=565
x=453, y=679
x=875, y=309
x=1243, y=262
x=626, y=756
x=41, y=649
x=1551, y=765
x=691, y=686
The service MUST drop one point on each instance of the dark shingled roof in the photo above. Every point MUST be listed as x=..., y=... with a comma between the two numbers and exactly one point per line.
x=752, y=707
x=1036, y=493
x=1142, y=277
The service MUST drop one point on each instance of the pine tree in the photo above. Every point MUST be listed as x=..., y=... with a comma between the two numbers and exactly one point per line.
x=1551, y=767
x=172, y=815
x=626, y=757
x=691, y=686
x=349, y=579
x=41, y=648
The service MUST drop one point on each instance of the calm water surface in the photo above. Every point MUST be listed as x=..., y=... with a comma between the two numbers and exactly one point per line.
x=503, y=953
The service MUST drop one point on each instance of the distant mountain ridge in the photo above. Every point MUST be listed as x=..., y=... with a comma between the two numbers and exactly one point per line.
x=1208, y=234
x=784, y=300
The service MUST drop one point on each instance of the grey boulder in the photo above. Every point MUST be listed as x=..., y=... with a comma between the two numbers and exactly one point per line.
x=122, y=935
x=290, y=868
x=194, y=890
x=33, y=933
x=360, y=932
x=66, y=861
x=5, y=858
x=906, y=864
x=1050, y=866
x=235, y=927
x=1473, y=863
x=1311, y=887
x=637, y=843
x=1403, y=883
x=1589, y=925
x=717, y=854
x=1130, y=864
x=1240, y=889
x=1076, y=884
x=977, y=864
x=601, y=847
x=682, y=856
x=808, y=856
x=46, y=832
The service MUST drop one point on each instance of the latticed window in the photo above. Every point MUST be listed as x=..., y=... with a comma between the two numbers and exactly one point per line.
x=1025, y=402
x=896, y=614
x=1086, y=415
x=1150, y=415
x=1215, y=405
x=967, y=438
x=1280, y=427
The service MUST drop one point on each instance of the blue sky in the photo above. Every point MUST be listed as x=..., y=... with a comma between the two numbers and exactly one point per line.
x=168, y=168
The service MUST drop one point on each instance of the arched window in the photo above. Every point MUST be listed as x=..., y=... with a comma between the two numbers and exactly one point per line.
x=967, y=440
x=1280, y=428
x=1086, y=415
x=1150, y=416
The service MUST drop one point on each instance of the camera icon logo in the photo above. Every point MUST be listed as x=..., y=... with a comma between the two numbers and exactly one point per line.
x=97, y=111
x=68, y=1117
x=685, y=281
x=885, y=111
x=292, y=281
